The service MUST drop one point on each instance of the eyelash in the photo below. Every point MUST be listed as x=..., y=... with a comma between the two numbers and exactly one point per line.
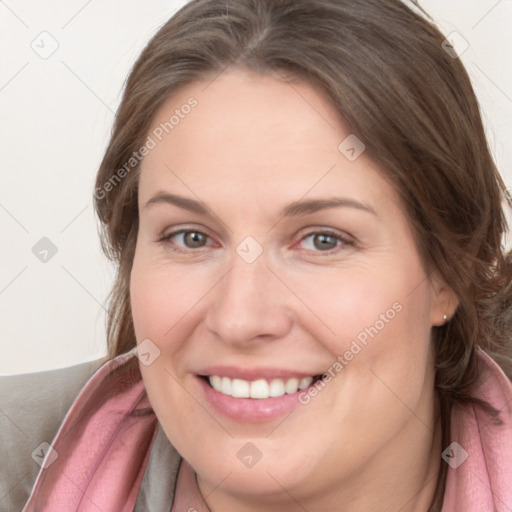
x=344, y=240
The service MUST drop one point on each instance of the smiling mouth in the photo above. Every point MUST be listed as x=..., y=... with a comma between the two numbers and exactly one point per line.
x=260, y=388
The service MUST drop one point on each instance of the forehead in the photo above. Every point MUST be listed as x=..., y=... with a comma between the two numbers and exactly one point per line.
x=255, y=133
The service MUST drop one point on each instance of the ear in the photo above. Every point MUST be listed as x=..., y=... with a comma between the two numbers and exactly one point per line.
x=444, y=301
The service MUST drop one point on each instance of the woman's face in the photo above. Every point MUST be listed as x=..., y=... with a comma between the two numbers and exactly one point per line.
x=267, y=252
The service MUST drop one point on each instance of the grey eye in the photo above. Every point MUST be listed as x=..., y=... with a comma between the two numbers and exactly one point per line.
x=193, y=239
x=320, y=241
x=325, y=242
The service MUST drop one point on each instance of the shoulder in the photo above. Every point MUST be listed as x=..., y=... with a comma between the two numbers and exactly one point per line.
x=32, y=406
x=480, y=454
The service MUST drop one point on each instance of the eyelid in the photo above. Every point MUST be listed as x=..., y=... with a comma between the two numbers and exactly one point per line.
x=345, y=238
x=166, y=237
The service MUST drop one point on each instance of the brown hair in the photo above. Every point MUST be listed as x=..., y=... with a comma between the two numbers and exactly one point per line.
x=383, y=66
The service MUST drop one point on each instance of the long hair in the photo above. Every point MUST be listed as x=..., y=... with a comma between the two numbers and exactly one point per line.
x=385, y=69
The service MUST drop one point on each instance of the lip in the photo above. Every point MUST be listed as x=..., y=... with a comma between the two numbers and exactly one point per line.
x=251, y=374
x=249, y=410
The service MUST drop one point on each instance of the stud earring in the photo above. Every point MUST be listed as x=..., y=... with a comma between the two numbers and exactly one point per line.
x=445, y=318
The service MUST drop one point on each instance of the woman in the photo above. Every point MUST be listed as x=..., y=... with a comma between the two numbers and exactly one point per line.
x=308, y=227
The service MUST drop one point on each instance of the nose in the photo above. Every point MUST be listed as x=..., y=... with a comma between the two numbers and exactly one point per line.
x=249, y=304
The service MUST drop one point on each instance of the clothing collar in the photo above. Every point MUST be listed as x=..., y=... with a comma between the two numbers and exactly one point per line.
x=480, y=453
x=102, y=446
x=105, y=440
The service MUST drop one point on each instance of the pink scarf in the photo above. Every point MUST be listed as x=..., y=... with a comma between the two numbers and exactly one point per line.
x=104, y=443
x=103, y=446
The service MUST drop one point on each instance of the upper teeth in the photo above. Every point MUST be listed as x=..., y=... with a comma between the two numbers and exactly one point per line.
x=260, y=388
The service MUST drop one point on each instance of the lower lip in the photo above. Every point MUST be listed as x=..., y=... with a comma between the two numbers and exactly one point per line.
x=250, y=410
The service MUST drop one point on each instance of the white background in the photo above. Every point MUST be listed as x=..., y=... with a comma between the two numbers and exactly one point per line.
x=55, y=117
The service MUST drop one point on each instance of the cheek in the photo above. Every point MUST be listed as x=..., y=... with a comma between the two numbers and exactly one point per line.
x=162, y=302
x=161, y=297
x=365, y=305
x=379, y=340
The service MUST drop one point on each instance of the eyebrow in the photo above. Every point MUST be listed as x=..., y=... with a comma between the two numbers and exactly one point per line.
x=294, y=209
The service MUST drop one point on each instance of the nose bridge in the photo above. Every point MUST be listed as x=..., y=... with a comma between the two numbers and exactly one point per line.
x=244, y=279
x=246, y=287
x=248, y=302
